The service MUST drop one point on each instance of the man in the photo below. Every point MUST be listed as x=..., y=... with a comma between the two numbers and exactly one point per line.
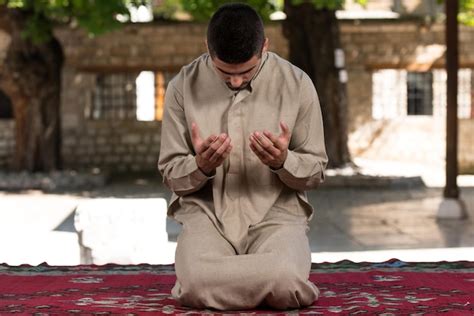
x=242, y=140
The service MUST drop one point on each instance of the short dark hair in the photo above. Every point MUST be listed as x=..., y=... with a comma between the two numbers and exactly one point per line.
x=235, y=33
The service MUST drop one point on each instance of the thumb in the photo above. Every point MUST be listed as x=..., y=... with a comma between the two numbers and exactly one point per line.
x=195, y=136
x=195, y=132
x=285, y=130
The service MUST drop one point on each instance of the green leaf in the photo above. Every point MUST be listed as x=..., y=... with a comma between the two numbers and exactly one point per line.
x=99, y=16
x=202, y=10
x=466, y=7
x=96, y=16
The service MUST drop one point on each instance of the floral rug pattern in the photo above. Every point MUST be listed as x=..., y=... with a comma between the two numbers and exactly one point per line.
x=347, y=288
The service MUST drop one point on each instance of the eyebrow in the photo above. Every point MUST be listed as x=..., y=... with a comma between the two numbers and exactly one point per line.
x=233, y=74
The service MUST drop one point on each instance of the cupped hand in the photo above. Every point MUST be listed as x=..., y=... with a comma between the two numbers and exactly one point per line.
x=210, y=152
x=271, y=149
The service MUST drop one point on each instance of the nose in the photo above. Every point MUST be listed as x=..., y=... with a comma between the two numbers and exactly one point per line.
x=236, y=81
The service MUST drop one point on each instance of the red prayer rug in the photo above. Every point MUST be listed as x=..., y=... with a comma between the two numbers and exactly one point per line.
x=347, y=288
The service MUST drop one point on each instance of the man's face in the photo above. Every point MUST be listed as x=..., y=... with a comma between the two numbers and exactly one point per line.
x=237, y=76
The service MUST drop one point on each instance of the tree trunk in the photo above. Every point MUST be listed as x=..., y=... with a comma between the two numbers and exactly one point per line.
x=30, y=75
x=313, y=37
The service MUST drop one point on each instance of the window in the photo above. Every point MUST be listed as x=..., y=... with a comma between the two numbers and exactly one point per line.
x=129, y=96
x=114, y=96
x=420, y=93
x=389, y=94
x=6, y=108
x=397, y=93
x=465, y=108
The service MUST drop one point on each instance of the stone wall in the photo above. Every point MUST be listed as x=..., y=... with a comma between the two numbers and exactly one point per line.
x=411, y=45
x=128, y=144
x=146, y=46
x=117, y=146
x=405, y=44
x=114, y=145
x=7, y=143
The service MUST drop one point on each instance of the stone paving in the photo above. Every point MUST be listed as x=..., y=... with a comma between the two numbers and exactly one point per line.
x=37, y=226
x=353, y=219
x=58, y=180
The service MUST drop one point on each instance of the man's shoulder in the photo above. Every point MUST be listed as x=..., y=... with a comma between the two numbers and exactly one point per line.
x=286, y=68
x=188, y=71
x=197, y=63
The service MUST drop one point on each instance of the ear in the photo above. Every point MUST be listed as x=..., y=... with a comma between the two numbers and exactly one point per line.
x=208, y=50
x=265, y=45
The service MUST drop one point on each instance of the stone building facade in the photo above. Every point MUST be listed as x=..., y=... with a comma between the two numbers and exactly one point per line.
x=100, y=92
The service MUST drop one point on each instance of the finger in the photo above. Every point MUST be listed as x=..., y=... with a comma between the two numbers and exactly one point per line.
x=229, y=150
x=270, y=136
x=262, y=152
x=274, y=139
x=255, y=151
x=259, y=155
x=209, y=141
x=207, y=154
x=206, y=144
x=221, y=150
x=224, y=156
x=285, y=130
x=267, y=144
x=198, y=143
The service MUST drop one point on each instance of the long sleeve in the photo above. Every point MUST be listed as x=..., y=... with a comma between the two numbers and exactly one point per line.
x=304, y=166
x=177, y=163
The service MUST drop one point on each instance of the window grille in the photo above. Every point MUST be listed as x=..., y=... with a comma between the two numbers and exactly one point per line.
x=465, y=109
x=129, y=96
x=419, y=93
x=114, y=96
x=389, y=94
x=465, y=93
x=397, y=93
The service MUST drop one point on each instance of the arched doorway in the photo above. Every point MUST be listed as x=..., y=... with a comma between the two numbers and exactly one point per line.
x=6, y=107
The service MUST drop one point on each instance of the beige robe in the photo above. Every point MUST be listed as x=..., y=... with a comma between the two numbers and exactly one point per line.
x=243, y=190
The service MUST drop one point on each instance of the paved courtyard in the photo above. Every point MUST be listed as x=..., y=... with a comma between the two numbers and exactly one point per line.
x=351, y=222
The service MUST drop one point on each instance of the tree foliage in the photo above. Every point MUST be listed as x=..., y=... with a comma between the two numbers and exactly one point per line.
x=99, y=16
x=201, y=10
x=466, y=15
x=94, y=16
x=325, y=4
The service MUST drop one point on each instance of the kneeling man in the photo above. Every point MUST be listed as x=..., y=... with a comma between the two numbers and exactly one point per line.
x=242, y=139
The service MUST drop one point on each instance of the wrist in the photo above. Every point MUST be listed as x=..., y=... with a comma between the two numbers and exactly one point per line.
x=206, y=171
x=277, y=168
x=282, y=163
